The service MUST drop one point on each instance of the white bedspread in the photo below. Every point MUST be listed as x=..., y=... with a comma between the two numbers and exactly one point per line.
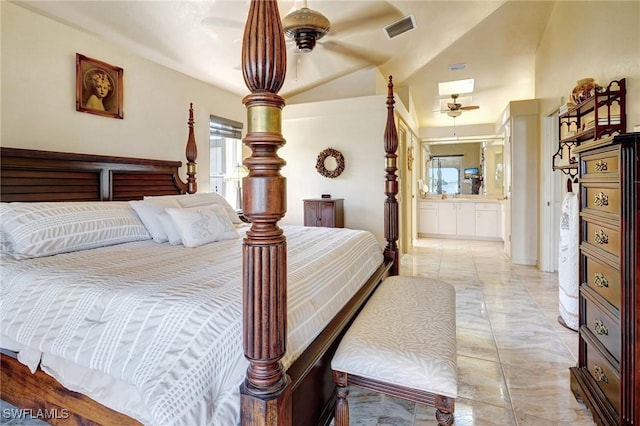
x=162, y=324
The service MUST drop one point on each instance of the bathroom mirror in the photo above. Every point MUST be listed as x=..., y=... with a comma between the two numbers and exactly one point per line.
x=461, y=168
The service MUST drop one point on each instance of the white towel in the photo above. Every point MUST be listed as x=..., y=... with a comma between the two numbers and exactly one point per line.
x=568, y=261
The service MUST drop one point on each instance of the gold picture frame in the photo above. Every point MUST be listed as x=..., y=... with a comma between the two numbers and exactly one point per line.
x=99, y=87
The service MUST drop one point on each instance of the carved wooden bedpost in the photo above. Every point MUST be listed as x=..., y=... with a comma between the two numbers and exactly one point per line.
x=391, y=185
x=265, y=395
x=191, y=154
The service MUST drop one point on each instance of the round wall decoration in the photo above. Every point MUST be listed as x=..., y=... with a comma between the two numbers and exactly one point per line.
x=330, y=163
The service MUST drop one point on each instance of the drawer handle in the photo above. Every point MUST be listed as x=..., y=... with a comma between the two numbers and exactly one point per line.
x=598, y=374
x=601, y=237
x=601, y=199
x=600, y=328
x=600, y=280
x=601, y=166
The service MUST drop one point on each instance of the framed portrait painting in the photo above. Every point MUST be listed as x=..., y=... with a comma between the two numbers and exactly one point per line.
x=99, y=88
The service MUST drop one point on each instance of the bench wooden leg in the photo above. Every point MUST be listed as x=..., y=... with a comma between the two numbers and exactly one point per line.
x=444, y=419
x=444, y=410
x=342, y=405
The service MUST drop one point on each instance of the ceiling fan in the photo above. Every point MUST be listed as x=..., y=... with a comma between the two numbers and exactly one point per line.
x=304, y=28
x=454, y=109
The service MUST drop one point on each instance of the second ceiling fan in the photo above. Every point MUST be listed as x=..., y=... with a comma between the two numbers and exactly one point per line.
x=454, y=109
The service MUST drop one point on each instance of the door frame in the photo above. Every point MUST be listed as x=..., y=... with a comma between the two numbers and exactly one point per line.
x=406, y=178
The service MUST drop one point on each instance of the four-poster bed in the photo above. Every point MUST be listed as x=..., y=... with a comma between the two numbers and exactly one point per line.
x=271, y=394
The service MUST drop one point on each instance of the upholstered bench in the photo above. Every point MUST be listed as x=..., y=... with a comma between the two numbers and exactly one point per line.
x=403, y=344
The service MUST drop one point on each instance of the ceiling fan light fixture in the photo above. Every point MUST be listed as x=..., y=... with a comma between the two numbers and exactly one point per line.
x=305, y=26
x=454, y=113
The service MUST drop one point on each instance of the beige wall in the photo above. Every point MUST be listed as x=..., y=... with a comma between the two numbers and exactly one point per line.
x=38, y=96
x=598, y=39
x=355, y=127
x=590, y=39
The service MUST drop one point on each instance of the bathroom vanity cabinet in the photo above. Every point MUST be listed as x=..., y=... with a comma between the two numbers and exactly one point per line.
x=460, y=218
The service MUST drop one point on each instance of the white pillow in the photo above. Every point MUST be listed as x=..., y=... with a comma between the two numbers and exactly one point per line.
x=170, y=229
x=202, y=225
x=204, y=199
x=149, y=211
x=47, y=228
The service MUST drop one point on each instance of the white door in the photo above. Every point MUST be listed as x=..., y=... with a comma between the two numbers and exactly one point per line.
x=428, y=218
x=550, y=199
x=465, y=219
x=507, y=190
x=447, y=219
x=487, y=224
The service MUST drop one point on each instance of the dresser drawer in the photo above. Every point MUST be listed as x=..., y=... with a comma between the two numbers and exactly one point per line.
x=603, y=326
x=601, y=198
x=603, y=279
x=604, y=374
x=601, y=165
x=602, y=236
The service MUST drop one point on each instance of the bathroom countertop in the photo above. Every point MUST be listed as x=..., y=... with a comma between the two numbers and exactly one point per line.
x=464, y=198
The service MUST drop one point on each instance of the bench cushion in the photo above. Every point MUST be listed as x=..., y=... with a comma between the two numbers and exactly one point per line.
x=406, y=336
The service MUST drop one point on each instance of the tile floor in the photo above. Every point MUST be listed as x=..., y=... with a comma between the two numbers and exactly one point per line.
x=513, y=355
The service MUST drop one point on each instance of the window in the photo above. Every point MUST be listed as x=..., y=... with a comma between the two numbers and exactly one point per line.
x=444, y=174
x=225, y=143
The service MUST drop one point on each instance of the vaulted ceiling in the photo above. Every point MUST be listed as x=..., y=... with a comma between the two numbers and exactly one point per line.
x=497, y=41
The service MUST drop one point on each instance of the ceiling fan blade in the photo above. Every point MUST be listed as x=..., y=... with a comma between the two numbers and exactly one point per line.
x=375, y=15
x=365, y=55
x=469, y=107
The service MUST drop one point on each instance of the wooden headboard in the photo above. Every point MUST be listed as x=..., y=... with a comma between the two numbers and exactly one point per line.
x=33, y=175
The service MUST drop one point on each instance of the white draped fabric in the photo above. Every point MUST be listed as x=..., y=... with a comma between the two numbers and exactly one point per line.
x=568, y=261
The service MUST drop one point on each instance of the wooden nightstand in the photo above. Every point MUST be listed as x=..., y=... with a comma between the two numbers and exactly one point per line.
x=325, y=212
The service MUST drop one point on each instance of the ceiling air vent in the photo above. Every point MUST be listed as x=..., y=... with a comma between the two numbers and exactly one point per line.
x=400, y=27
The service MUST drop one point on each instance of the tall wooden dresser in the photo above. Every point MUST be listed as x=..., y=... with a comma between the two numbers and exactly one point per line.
x=606, y=378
